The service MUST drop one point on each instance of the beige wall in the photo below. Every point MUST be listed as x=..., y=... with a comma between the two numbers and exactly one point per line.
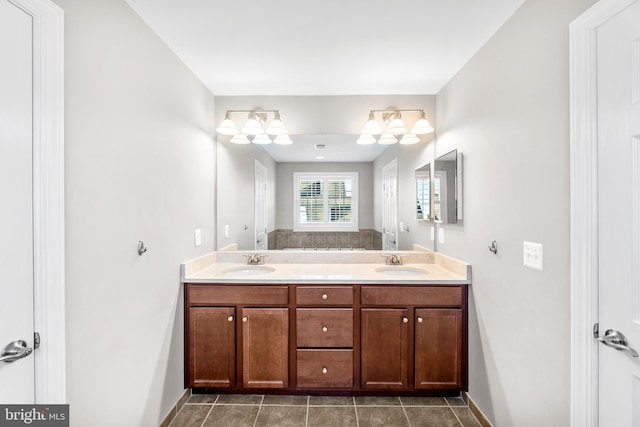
x=140, y=164
x=507, y=111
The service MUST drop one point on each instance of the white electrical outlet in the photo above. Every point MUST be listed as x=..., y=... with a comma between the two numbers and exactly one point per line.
x=402, y=227
x=532, y=255
x=226, y=231
x=440, y=235
x=197, y=237
x=433, y=233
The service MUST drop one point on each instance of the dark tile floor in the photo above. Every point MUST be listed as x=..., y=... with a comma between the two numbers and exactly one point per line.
x=227, y=410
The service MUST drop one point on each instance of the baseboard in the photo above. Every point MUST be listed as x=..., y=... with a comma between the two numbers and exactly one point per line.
x=176, y=408
x=482, y=419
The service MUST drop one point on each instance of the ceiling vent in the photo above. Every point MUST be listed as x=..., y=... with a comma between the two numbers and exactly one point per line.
x=320, y=146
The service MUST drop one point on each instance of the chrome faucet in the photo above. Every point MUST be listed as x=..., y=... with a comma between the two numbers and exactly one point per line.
x=393, y=259
x=255, y=258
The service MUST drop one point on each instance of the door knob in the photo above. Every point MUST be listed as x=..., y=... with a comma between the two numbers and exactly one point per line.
x=617, y=340
x=15, y=350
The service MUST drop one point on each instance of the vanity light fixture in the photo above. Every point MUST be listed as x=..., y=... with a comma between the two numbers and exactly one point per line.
x=254, y=129
x=395, y=129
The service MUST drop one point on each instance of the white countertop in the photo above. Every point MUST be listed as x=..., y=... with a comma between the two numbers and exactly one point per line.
x=290, y=267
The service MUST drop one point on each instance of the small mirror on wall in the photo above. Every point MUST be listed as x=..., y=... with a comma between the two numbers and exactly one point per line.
x=447, y=188
x=423, y=193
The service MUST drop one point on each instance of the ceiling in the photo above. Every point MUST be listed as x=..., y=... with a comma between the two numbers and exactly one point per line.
x=326, y=47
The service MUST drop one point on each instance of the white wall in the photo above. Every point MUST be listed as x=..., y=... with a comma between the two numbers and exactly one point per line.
x=140, y=164
x=507, y=111
x=284, y=205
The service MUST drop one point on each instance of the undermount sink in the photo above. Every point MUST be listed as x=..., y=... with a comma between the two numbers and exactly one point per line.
x=401, y=271
x=249, y=270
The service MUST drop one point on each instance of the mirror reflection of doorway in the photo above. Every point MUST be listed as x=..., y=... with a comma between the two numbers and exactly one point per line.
x=390, y=206
x=261, y=234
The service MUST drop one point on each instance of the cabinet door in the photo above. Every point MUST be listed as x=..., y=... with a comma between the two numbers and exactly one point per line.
x=384, y=348
x=439, y=358
x=211, y=347
x=265, y=347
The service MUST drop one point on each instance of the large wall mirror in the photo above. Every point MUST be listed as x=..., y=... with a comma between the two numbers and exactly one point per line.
x=423, y=193
x=324, y=131
x=447, y=188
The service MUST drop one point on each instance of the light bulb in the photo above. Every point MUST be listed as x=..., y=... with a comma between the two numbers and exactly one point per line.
x=422, y=126
x=252, y=126
x=396, y=126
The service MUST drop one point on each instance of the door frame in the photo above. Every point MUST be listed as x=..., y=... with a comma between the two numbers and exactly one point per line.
x=584, y=208
x=48, y=198
x=257, y=165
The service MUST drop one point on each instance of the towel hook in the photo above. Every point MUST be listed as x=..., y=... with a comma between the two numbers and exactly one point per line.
x=141, y=247
x=494, y=247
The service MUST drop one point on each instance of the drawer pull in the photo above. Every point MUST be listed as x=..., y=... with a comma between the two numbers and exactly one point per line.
x=420, y=319
x=230, y=318
x=325, y=370
x=325, y=296
x=405, y=319
x=245, y=319
x=325, y=329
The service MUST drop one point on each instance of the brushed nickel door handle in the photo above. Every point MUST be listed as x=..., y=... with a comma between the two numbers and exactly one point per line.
x=617, y=340
x=15, y=350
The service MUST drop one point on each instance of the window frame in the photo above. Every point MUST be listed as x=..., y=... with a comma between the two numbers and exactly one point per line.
x=324, y=177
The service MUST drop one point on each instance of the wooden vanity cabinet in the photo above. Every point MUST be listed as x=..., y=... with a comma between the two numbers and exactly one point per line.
x=236, y=332
x=357, y=339
x=413, y=338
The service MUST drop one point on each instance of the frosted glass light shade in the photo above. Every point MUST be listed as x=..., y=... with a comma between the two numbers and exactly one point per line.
x=366, y=139
x=240, y=139
x=282, y=139
x=372, y=127
x=227, y=127
x=276, y=127
x=422, y=127
x=396, y=127
x=387, y=139
x=252, y=127
x=261, y=139
x=409, y=138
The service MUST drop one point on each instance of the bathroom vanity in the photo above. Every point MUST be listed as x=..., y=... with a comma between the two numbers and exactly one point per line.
x=325, y=323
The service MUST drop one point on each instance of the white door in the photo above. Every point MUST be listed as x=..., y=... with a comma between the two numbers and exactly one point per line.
x=390, y=206
x=618, y=67
x=16, y=211
x=261, y=207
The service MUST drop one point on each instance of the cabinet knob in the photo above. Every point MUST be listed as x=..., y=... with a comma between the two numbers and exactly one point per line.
x=325, y=329
x=420, y=319
x=325, y=296
x=245, y=319
x=325, y=370
x=230, y=318
x=405, y=320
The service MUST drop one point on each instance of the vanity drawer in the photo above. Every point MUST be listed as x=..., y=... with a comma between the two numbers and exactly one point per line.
x=212, y=294
x=324, y=295
x=324, y=327
x=430, y=296
x=325, y=368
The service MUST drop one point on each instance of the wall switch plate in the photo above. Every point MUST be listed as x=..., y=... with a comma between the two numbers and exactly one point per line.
x=532, y=255
x=440, y=235
x=226, y=231
x=402, y=227
x=197, y=237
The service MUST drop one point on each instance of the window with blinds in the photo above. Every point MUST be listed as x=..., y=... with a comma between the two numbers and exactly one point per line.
x=325, y=201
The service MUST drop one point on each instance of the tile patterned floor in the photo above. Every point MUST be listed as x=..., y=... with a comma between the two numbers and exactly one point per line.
x=227, y=410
